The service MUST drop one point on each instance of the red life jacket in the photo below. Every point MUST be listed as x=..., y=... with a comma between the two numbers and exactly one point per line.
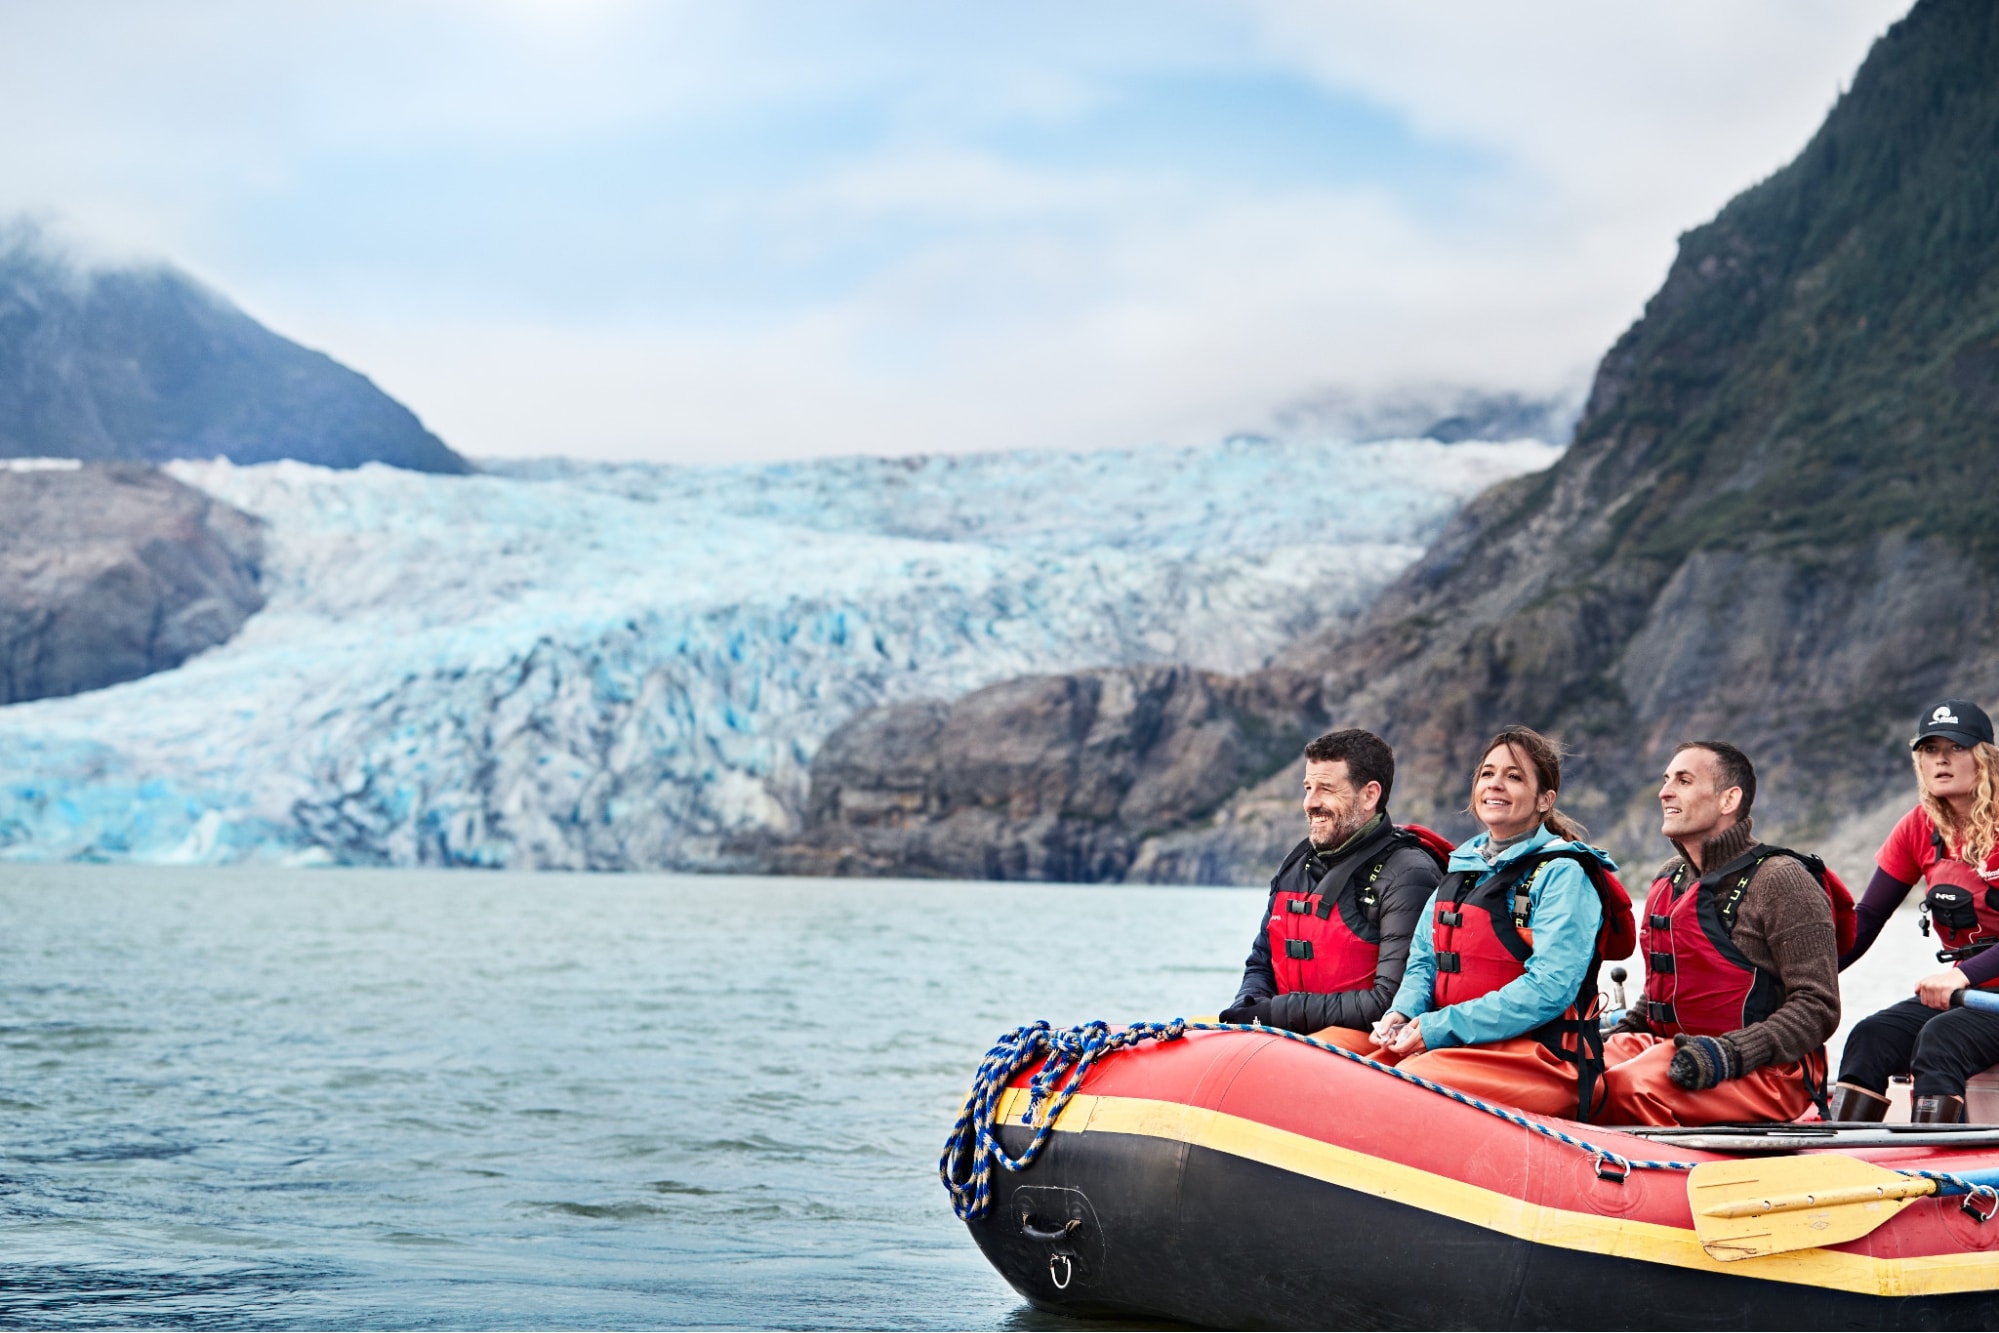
x=1696, y=980
x=1323, y=928
x=1481, y=932
x=1963, y=907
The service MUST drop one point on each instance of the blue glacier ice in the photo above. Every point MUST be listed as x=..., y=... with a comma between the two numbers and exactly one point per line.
x=569, y=665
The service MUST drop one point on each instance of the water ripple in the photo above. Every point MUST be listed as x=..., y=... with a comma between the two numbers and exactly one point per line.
x=297, y=1099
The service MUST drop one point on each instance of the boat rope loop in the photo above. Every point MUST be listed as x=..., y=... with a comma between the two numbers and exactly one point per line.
x=1974, y=1194
x=974, y=1146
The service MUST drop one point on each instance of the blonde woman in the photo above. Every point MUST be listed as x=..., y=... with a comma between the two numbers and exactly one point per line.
x=1951, y=842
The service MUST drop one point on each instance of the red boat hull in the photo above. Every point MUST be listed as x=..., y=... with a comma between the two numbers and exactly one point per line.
x=1242, y=1180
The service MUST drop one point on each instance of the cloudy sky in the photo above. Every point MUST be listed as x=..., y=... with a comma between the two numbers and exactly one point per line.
x=760, y=230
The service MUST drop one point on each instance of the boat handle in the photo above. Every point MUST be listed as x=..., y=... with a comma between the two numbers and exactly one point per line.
x=1033, y=1232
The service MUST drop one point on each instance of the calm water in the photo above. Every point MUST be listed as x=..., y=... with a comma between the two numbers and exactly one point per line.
x=262, y=1099
x=356, y=1098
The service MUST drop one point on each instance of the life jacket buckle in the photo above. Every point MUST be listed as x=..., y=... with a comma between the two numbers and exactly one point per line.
x=1448, y=962
x=1301, y=949
x=1659, y=962
x=1297, y=906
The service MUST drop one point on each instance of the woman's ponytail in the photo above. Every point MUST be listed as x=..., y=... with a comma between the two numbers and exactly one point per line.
x=1563, y=827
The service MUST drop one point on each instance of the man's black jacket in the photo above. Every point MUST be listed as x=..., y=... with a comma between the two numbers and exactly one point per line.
x=1407, y=880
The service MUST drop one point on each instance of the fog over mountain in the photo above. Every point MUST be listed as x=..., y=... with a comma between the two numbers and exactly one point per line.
x=1442, y=412
x=139, y=361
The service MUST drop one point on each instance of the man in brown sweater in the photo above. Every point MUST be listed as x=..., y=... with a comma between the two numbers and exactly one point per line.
x=1742, y=965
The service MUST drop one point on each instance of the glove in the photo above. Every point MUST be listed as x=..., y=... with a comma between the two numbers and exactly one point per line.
x=1256, y=1011
x=1702, y=1062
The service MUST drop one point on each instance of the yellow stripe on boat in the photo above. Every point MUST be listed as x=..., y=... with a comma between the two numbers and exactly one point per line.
x=1921, y=1275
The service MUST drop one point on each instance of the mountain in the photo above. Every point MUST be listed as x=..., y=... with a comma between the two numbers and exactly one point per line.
x=143, y=363
x=114, y=571
x=568, y=665
x=1773, y=526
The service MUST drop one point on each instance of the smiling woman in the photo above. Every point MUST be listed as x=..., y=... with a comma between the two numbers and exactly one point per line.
x=1505, y=959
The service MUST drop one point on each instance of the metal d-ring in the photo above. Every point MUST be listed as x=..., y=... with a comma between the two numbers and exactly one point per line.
x=1991, y=1198
x=1068, y=1271
x=1612, y=1168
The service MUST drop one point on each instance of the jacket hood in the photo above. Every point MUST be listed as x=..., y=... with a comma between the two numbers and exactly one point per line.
x=1467, y=857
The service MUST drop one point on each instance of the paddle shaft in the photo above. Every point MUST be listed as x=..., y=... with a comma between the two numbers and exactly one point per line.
x=1975, y=999
x=1790, y=1145
x=1912, y=1188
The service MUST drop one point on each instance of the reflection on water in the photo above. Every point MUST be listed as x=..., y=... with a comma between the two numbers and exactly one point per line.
x=355, y=1098
x=341, y=1098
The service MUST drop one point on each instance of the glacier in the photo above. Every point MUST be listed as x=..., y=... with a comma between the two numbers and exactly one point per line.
x=556, y=664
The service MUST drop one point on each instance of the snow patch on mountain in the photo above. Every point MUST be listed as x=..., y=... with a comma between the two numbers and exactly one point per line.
x=624, y=666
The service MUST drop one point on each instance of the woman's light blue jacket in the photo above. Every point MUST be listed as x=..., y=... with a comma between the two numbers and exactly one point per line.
x=1565, y=915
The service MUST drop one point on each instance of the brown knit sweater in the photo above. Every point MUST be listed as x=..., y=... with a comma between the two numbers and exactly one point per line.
x=1784, y=926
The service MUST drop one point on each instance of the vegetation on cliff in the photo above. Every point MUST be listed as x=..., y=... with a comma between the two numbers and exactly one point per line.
x=1823, y=363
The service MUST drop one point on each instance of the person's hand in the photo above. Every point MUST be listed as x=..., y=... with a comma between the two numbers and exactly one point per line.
x=1702, y=1062
x=1936, y=989
x=1256, y=1011
x=1387, y=1026
x=1407, y=1041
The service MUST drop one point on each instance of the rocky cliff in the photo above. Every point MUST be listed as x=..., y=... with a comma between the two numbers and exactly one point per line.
x=1049, y=777
x=1773, y=525
x=112, y=572
x=143, y=363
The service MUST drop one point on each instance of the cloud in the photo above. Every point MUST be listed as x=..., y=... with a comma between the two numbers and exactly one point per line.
x=695, y=231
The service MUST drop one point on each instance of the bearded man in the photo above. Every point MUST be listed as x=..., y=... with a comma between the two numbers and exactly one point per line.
x=1331, y=948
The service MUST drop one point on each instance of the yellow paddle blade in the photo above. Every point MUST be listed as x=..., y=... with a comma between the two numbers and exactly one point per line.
x=1773, y=1205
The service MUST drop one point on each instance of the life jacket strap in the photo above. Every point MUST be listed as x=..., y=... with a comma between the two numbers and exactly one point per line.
x=1815, y=1087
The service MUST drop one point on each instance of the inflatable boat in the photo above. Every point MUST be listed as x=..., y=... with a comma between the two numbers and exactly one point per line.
x=1241, y=1177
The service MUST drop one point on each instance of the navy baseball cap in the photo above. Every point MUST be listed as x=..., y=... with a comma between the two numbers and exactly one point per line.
x=1957, y=720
